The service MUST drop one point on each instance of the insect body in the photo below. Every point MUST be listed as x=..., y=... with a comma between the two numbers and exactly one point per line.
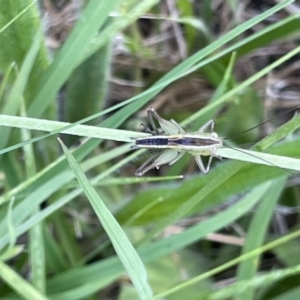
x=175, y=142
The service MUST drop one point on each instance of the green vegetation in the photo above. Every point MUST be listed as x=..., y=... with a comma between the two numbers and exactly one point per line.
x=75, y=223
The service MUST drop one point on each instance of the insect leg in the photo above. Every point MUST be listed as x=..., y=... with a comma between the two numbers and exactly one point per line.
x=169, y=127
x=152, y=113
x=145, y=167
x=201, y=165
x=168, y=157
x=210, y=124
x=147, y=129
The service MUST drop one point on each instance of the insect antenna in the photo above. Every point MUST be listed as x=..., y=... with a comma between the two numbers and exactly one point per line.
x=262, y=159
x=266, y=161
x=262, y=123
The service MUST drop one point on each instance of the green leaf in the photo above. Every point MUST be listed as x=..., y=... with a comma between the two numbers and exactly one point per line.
x=256, y=234
x=18, y=284
x=127, y=254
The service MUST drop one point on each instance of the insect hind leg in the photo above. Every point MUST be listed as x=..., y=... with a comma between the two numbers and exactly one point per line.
x=167, y=157
x=201, y=165
x=210, y=124
x=146, y=166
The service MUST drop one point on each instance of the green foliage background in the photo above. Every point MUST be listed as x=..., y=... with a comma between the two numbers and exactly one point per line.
x=76, y=224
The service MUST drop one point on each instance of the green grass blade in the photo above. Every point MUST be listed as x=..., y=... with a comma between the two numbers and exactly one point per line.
x=37, y=258
x=126, y=136
x=41, y=190
x=283, y=162
x=11, y=252
x=233, y=262
x=163, y=247
x=5, y=80
x=15, y=97
x=260, y=281
x=18, y=284
x=78, y=130
x=156, y=250
x=11, y=21
x=120, y=22
x=92, y=18
x=93, y=89
x=174, y=74
x=22, y=210
x=256, y=234
x=127, y=254
x=36, y=243
x=228, y=96
x=85, y=290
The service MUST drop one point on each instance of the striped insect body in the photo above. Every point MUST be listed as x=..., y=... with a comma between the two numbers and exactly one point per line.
x=174, y=142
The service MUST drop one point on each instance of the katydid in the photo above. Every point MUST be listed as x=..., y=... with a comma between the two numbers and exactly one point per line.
x=175, y=142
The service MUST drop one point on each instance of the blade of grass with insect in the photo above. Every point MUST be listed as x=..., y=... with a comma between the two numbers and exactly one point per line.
x=222, y=88
x=193, y=58
x=247, y=82
x=212, y=185
x=143, y=98
x=93, y=285
x=172, y=75
x=126, y=136
x=249, y=177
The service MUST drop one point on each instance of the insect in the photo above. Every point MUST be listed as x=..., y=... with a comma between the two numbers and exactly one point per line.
x=175, y=142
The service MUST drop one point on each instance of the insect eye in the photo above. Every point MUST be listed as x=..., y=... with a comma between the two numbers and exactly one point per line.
x=214, y=135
